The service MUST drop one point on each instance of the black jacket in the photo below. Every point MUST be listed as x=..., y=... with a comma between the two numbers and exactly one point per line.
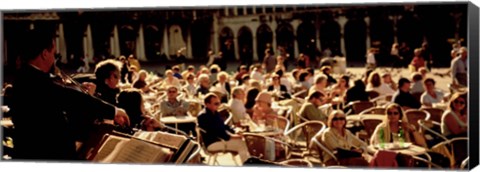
x=44, y=114
x=214, y=126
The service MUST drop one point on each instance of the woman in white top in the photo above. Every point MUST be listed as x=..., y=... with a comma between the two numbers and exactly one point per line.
x=431, y=95
x=170, y=80
x=454, y=119
x=375, y=84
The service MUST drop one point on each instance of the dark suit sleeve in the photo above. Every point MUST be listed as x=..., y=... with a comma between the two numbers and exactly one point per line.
x=212, y=127
x=76, y=101
x=285, y=92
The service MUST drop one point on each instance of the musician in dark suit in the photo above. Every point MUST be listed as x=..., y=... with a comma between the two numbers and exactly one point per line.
x=41, y=108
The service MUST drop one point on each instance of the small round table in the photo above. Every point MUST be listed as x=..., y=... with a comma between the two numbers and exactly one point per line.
x=177, y=120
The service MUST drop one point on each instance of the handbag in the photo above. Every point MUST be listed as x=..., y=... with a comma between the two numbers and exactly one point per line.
x=345, y=153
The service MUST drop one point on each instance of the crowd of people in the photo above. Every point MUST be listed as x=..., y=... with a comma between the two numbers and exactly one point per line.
x=131, y=96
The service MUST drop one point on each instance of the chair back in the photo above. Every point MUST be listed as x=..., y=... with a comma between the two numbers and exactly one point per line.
x=360, y=106
x=435, y=113
x=414, y=115
x=459, y=148
x=417, y=96
x=195, y=157
x=317, y=148
x=225, y=114
x=297, y=163
x=307, y=130
x=326, y=108
x=301, y=118
x=370, y=124
x=283, y=123
x=255, y=144
x=374, y=110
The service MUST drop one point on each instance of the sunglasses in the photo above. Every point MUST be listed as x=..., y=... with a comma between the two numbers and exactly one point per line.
x=338, y=118
x=393, y=113
x=459, y=102
x=216, y=103
x=171, y=91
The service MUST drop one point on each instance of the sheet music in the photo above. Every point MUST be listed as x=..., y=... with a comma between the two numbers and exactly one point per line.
x=137, y=151
x=169, y=139
x=107, y=148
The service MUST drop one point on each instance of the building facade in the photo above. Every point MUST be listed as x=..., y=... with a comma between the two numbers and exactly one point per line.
x=244, y=31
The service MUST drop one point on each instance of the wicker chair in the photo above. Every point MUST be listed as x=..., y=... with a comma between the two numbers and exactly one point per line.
x=212, y=155
x=317, y=148
x=374, y=110
x=414, y=115
x=256, y=144
x=359, y=106
x=369, y=125
x=300, y=136
x=297, y=163
x=283, y=123
x=373, y=94
x=435, y=113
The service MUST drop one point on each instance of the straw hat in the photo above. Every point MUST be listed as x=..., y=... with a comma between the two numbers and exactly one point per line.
x=264, y=96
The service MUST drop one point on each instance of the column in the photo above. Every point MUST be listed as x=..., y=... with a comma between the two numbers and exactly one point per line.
x=235, y=45
x=225, y=10
x=189, y=42
x=62, y=44
x=367, y=22
x=235, y=11
x=88, y=45
x=165, y=42
x=215, y=48
x=342, y=20
x=254, y=9
x=395, y=29
x=139, y=46
x=244, y=10
x=264, y=10
x=317, y=30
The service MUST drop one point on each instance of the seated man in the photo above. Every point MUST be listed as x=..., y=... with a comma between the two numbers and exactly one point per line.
x=174, y=107
x=309, y=109
x=403, y=96
x=215, y=130
x=237, y=106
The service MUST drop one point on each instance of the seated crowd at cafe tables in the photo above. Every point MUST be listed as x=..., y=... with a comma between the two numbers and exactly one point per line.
x=308, y=114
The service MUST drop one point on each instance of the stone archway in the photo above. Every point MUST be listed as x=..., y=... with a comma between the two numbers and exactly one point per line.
x=285, y=38
x=264, y=37
x=355, y=40
x=306, y=38
x=226, y=43
x=153, y=42
x=245, y=45
x=128, y=36
x=330, y=37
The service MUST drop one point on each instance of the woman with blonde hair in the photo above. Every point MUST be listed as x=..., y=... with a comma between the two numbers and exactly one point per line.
x=393, y=128
x=454, y=120
x=340, y=140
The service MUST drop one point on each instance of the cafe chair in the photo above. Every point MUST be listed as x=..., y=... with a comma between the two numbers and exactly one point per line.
x=301, y=118
x=413, y=115
x=435, y=113
x=195, y=157
x=369, y=124
x=213, y=155
x=431, y=130
x=464, y=163
x=374, y=110
x=359, y=106
x=326, y=108
x=283, y=124
x=417, y=96
x=297, y=163
x=455, y=149
x=317, y=148
x=257, y=146
x=299, y=136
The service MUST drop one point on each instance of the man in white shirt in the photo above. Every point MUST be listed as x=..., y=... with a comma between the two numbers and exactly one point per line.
x=459, y=68
x=371, y=62
x=237, y=105
x=257, y=74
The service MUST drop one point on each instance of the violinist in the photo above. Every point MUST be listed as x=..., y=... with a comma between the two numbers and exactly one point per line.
x=42, y=109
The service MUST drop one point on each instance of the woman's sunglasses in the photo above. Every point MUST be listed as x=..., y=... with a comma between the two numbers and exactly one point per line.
x=459, y=102
x=393, y=113
x=338, y=118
